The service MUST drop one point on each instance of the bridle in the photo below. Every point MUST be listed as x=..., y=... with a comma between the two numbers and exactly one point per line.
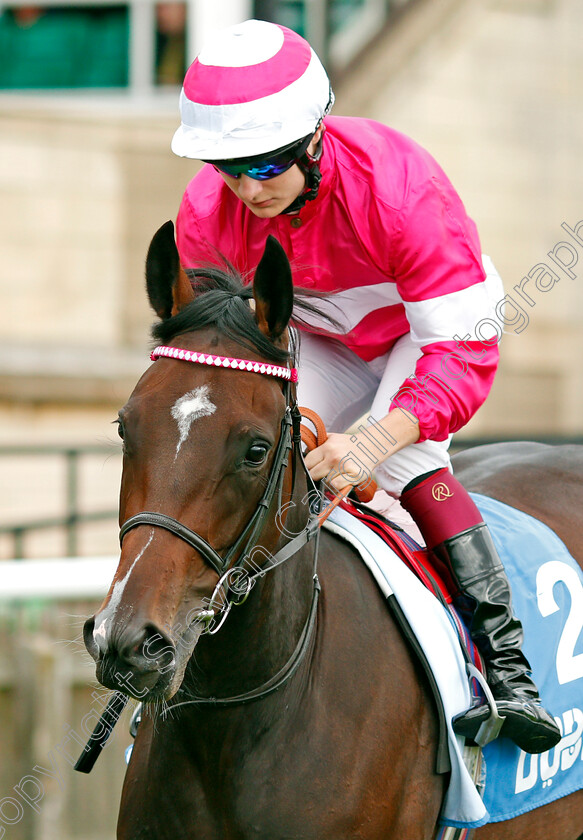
x=235, y=578
x=290, y=439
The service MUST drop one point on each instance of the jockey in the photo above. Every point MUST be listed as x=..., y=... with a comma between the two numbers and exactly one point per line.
x=368, y=216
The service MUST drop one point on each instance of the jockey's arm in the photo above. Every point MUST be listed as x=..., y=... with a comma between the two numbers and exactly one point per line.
x=341, y=456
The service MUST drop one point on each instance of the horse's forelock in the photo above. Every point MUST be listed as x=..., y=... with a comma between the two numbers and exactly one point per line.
x=222, y=301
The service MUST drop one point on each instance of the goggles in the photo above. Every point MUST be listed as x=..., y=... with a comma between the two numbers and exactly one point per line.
x=263, y=168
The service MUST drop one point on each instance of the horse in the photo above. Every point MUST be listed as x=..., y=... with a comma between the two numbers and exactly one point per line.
x=280, y=699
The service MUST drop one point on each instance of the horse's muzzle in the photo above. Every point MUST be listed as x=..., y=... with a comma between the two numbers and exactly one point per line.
x=138, y=661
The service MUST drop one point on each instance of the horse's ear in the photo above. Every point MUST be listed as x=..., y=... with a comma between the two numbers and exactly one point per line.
x=168, y=286
x=273, y=290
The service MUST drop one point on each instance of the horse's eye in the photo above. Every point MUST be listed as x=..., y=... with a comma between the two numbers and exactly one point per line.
x=256, y=454
x=120, y=429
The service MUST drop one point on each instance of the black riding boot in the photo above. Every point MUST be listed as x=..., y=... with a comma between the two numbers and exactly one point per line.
x=454, y=530
x=473, y=559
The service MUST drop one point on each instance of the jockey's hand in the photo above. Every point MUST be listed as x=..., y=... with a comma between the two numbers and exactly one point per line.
x=336, y=458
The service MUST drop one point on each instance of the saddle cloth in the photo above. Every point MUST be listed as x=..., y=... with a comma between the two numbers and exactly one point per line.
x=547, y=587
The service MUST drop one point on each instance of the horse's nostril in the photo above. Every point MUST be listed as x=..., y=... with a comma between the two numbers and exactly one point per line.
x=150, y=649
x=89, y=637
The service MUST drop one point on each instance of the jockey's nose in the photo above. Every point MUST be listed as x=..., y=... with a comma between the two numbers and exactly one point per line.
x=248, y=188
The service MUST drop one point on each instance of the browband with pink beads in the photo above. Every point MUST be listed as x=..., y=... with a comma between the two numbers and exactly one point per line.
x=225, y=361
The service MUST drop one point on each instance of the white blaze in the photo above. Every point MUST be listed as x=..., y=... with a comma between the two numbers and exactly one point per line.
x=111, y=608
x=189, y=408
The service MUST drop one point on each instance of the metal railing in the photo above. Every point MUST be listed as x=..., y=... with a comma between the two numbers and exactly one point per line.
x=73, y=516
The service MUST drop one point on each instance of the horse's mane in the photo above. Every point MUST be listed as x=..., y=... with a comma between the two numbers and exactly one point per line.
x=223, y=301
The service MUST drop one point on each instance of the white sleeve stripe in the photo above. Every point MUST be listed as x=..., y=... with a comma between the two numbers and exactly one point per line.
x=458, y=313
x=437, y=319
x=350, y=306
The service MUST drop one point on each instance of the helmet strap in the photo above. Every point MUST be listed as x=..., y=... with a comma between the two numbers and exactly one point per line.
x=309, y=165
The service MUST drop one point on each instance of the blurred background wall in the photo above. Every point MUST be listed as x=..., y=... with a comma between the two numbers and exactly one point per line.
x=88, y=104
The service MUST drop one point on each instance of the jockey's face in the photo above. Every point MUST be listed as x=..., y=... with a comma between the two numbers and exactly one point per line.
x=269, y=198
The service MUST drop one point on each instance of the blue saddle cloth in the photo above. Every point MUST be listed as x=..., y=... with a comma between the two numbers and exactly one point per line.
x=547, y=587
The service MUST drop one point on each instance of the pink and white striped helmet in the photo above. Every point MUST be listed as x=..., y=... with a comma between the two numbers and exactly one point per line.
x=254, y=88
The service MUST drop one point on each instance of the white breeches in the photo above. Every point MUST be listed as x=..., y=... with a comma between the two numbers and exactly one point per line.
x=341, y=387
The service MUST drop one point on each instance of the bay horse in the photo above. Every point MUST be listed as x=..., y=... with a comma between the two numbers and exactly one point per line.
x=306, y=715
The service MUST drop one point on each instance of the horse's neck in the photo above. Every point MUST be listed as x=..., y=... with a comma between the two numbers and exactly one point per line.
x=260, y=636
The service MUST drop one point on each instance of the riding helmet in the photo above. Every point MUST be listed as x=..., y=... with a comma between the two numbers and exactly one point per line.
x=255, y=87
